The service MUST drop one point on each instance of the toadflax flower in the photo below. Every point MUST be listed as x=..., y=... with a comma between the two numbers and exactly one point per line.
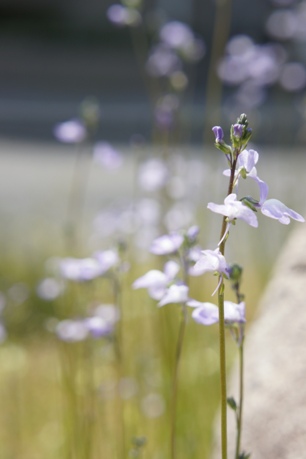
x=210, y=261
x=71, y=131
x=234, y=209
x=246, y=163
x=157, y=281
x=274, y=208
x=208, y=313
x=167, y=244
x=176, y=293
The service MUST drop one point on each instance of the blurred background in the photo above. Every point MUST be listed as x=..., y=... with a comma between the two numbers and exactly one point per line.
x=55, y=53
x=106, y=112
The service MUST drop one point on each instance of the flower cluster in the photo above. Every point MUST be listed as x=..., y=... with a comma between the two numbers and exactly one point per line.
x=165, y=286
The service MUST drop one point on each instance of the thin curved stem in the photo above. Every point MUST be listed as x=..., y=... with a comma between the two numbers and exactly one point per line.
x=222, y=350
x=240, y=408
x=178, y=353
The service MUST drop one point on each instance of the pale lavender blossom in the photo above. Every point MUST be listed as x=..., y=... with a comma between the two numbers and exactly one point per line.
x=157, y=281
x=98, y=327
x=163, y=61
x=233, y=209
x=180, y=37
x=167, y=244
x=210, y=261
x=49, y=289
x=71, y=330
x=176, y=34
x=192, y=233
x=106, y=259
x=246, y=163
x=107, y=156
x=123, y=16
x=208, y=313
x=72, y=131
x=108, y=312
x=80, y=269
x=153, y=174
x=275, y=209
x=176, y=293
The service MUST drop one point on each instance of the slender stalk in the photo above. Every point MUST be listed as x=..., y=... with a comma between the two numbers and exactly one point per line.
x=214, y=85
x=222, y=354
x=222, y=350
x=240, y=407
x=178, y=353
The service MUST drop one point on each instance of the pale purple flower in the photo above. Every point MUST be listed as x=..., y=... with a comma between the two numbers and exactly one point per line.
x=157, y=281
x=192, y=233
x=246, y=163
x=49, y=289
x=106, y=155
x=210, y=261
x=72, y=131
x=275, y=209
x=208, y=313
x=167, y=244
x=98, y=326
x=204, y=313
x=123, y=16
x=80, y=269
x=106, y=259
x=180, y=37
x=71, y=330
x=153, y=174
x=219, y=135
x=108, y=312
x=233, y=209
x=176, y=293
x=163, y=61
x=176, y=34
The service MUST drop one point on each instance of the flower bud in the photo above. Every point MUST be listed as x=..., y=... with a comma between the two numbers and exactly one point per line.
x=235, y=273
x=218, y=131
x=243, y=120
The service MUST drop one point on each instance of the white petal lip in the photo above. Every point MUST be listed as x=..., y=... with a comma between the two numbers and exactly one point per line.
x=175, y=294
x=210, y=261
x=234, y=209
x=152, y=278
x=275, y=209
x=166, y=244
x=248, y=159
x=208, y=313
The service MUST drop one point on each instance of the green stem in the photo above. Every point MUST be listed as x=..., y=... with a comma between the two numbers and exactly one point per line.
x=222, y=350
x=175, y=379
x=222, y=371
x=239, y=414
